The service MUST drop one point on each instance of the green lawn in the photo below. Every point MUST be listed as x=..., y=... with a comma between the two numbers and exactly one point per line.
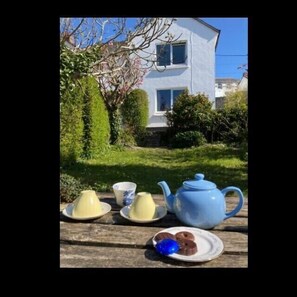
x=147, y=166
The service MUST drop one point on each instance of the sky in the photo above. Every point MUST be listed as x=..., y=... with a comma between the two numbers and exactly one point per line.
x=233, y=41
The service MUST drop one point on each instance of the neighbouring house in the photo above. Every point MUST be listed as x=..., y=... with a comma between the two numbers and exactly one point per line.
x=222, y=86
x=243, y=84
x=188, y=62
x=225, y=85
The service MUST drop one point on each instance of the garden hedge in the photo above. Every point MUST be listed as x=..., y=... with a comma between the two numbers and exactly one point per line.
x=135, y=112
x=96, y=130
x=71, y=127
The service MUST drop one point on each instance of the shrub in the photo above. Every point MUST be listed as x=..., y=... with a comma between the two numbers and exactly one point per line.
x=70, y=188
x=232, y=127
x=188, y=139
x=142, y=137
x=95, y=118
x=243, y=148
x=125, y=138
x=190, y=113
x=135, y=112
x=71, y=127
x=73, y=64
x=236, y=99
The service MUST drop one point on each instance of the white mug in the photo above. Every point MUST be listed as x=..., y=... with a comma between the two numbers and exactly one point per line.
x=124, y=192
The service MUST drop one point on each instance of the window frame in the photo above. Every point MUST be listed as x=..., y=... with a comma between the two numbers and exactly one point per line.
x=159, y=112
x=171, y=45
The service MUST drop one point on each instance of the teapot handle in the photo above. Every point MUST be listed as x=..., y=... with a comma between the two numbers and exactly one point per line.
x=238, y=206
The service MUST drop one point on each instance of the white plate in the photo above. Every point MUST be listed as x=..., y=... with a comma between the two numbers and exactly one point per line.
x=161, y=212
x=68, y=212
x=209, y=245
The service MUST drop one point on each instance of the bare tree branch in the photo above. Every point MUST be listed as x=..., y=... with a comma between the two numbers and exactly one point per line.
x=101, y=32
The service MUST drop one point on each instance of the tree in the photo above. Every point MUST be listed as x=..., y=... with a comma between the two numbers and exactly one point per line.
x=114, y=54
x=116, y=85
x=85, y=34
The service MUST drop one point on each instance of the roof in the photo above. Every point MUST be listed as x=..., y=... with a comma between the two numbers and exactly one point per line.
x=227, y=80
x=210, y=27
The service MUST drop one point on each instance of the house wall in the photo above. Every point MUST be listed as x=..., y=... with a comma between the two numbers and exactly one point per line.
x=243, y=85
x=225, y=87
x=198, y=74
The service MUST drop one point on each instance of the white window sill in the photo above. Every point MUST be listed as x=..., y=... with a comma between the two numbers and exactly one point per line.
x=178, y=66
x=161, y=113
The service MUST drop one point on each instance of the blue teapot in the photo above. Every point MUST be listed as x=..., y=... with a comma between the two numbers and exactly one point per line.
x=199, y=203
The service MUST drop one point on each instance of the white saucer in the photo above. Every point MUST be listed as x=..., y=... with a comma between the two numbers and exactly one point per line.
x=209, y=245
x=161, y=213
x=68, y=212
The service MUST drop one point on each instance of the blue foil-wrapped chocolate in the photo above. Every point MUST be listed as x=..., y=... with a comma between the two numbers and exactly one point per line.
x=167, y=246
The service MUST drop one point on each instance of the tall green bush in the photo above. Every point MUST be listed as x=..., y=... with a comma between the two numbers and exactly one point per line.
x=190, y=113
x=135, y=113
x=96, y=130
x=232, y=127
x=71, y=127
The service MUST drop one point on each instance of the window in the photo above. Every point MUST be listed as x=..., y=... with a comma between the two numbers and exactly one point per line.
x=166, y=99
x=176, y=93
x=171, y=54
x=219, y=85
x=163, y=55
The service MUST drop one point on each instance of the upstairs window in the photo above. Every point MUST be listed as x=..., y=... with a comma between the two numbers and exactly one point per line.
x=163, y=55
x=171, y=54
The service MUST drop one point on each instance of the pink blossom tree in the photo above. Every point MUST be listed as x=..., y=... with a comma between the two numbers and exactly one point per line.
x=116, y=85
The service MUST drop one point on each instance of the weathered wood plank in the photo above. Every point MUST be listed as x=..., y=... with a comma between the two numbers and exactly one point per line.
x=134, y=236
x=236, y=224
x=242, y=213
x=105, y=257
x=239, y=224
x=109, y=198
x=156, y=196
x=112, y=241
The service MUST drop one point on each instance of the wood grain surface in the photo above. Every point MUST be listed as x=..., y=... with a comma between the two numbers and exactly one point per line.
x=115, y=242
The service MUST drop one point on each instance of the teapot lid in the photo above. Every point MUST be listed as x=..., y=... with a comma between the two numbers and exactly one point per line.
x=199, y=183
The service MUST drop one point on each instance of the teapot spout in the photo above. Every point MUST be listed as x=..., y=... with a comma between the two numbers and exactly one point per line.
x=168, y=196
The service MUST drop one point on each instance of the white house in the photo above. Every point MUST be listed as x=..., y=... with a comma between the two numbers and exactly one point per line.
x=190, y=63
x=223, y=86
x=243, y=84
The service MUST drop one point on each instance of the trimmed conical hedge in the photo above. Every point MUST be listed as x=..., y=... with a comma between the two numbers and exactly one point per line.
x=96, y=130
x=71, y=127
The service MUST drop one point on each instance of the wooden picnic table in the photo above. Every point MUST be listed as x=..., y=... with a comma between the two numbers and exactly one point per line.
x=112, y=241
